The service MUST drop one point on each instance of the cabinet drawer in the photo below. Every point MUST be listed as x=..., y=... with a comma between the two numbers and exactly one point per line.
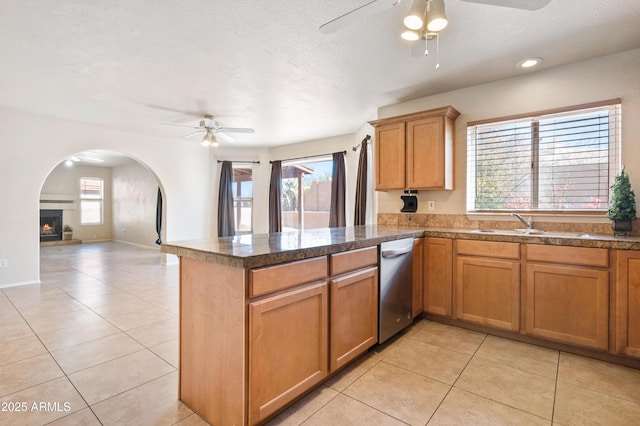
x=568, y=255
x=348, y=261
x=273, y=278
x=488, y=249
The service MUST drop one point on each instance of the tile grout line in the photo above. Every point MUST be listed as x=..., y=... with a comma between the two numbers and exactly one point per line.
x=555, y=389
x=456, y=380
x=64, y=374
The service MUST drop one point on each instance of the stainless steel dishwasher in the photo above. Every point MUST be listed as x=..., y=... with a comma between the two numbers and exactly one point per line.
x=396, y=287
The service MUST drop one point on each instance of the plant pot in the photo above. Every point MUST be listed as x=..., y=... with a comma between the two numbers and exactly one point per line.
x=67, y=235
x=621, y=227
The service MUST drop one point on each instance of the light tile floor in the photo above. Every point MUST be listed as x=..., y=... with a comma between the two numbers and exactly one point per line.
x=96, y=343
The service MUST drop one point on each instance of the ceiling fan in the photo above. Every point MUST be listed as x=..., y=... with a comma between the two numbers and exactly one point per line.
x=212, y=131
x=374, y=6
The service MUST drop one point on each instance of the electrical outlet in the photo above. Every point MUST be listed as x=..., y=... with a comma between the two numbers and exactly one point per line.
x=431, y=205
x=4, y=263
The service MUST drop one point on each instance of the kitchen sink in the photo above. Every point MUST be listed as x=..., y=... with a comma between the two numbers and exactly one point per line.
x=529, y=231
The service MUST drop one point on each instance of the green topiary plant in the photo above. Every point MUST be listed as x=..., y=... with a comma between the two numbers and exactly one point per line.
x=623, y=202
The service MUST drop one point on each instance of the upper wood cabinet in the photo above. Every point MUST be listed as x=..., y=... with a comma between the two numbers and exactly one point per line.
x=415, y=151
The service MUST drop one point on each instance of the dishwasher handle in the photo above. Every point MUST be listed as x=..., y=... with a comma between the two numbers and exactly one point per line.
x=396, y=252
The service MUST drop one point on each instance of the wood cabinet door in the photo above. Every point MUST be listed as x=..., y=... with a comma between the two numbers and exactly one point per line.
x=354, y=315
x=418, y=282
x=488, y=292
x=437, y=266
x=426, y=154
x=390, y=157
x=627, y=300
x=568, y=304
x=288, y=351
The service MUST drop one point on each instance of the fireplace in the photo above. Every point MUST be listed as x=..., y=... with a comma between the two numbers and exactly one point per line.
x=50, y=225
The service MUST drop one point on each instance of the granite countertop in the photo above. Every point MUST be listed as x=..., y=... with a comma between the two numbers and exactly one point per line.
x=256, y=250
x=574, y=239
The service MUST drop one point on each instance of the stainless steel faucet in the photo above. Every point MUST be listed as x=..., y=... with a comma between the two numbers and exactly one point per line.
x=528, y=222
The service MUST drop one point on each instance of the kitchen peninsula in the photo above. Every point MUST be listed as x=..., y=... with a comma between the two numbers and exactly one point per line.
x=264, y=318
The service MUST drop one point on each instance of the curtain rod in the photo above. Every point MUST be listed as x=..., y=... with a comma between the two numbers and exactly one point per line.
x=366, y=139
x=241, y=162
x=310, y=156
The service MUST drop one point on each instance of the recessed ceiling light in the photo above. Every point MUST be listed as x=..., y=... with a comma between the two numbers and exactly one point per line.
x=529, y=62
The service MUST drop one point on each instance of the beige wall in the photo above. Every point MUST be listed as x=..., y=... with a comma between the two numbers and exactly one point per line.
x=66, y=180
x=135, y=193
x=615, y=76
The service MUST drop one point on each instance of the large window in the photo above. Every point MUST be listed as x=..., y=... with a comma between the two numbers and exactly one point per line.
x=306, y=193
x=91, y=200
x=243, y=198
x=557, y=161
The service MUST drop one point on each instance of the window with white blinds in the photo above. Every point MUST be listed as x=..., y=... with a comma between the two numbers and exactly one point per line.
x=91, y=200
x=560, y=160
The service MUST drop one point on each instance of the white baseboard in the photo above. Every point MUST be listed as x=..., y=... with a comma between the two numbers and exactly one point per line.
x=19, y=284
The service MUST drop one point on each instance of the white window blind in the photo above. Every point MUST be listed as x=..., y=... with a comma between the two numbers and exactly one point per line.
x=91, y=198
x=555, y=161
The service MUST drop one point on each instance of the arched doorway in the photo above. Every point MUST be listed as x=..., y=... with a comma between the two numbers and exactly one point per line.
x=101, y=195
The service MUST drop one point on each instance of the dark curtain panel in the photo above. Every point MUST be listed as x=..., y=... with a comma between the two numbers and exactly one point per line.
x=159, y=217
x=338, y=192
x=361, y=187
x=226, y=225
x=275, y=195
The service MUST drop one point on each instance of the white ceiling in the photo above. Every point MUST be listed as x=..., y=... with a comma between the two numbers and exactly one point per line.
x=133, y=64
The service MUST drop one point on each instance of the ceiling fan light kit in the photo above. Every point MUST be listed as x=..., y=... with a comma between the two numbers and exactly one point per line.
x=436, y=18
x=415, y=18
x=425, y=20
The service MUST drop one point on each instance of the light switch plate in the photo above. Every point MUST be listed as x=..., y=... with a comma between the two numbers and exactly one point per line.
x=4, y=263
x=431, y=205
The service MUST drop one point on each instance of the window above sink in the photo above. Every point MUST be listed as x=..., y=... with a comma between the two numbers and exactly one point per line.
x=554, y=161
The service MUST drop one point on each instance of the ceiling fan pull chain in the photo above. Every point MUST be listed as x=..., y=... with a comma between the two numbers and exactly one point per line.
x=437, y=51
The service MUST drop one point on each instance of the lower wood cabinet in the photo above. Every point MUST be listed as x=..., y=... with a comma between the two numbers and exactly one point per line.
x=627, y=303
x=354, y=316
x=487, y=283
x=288, y=335
x=567, y=302
x=437, y=267
x=322, y=314
x=418, y=281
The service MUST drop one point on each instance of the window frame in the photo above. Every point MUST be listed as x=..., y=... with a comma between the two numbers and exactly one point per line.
x=84, y=198
x=304, y=162
x=613, y=156
x=239, y=200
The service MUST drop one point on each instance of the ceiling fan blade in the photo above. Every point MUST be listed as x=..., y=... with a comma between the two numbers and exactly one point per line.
x=179, y=111
x=194, y=133
x=222, y=135
x=180, y=125
x=355, y=15
x=235, y=129
x=516, y=4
